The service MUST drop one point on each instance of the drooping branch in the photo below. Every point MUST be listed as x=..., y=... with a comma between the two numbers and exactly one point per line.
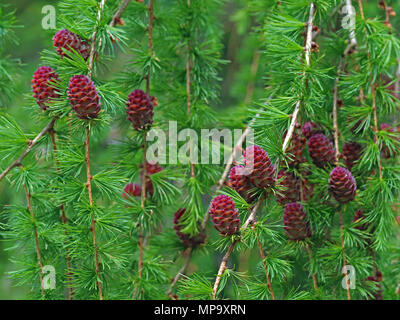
x=93, y=225
x=269, y=284
x=189, y=94
x=50, y=125
x=220, y=184
x=361, y=9
x=87, y=157
x=373, y=91
x=352, y=45
x=117, y=15
x=181, y=271
x=344, y=253
x=222, y=268
x=225, y=174
x=314, y=276
x=93, y=38
x=36, y=237
x=397, y=83
x=308, y=46
x=224, y=261
x=144, y=160
x=308, y=246
x=64, y=219
x=253, y=72
x=376, y=126
x=31, y=144
x=150, y=40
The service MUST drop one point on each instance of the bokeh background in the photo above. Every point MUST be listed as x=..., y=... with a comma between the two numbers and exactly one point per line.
x=242, y=80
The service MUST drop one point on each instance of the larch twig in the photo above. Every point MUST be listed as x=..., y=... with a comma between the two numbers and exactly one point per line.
x=228, y=253
x=296, y=111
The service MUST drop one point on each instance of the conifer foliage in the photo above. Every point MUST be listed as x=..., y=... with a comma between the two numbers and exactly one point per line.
x=314, y=195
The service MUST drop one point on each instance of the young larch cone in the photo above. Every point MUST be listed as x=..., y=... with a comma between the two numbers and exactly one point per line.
x=140, y=109
x=321, y=150
x=295, y=150
x=151, y=169
x=290, y=188
x=132, y=190
x=351, y=152
x=43, y=92
x=83, y=96
x=295, y=222
x=262, y=172
x=187, y=240
x=67, y=40
x=342, y=185
x=224, y=215
x=240, y=182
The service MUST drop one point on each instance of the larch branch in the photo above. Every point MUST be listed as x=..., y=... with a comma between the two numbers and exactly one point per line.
x=296, y=111
x=31, y=144
x=224, y=261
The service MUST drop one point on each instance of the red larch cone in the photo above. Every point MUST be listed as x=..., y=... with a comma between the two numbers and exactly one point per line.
x=321, y=150
x=67, y=40
x=295, y=222
x=262, y=172
x=240, y=182
x=43, y=91
x=83, y=97
x=342, y=185
x=140, y=109
x=224, y=215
